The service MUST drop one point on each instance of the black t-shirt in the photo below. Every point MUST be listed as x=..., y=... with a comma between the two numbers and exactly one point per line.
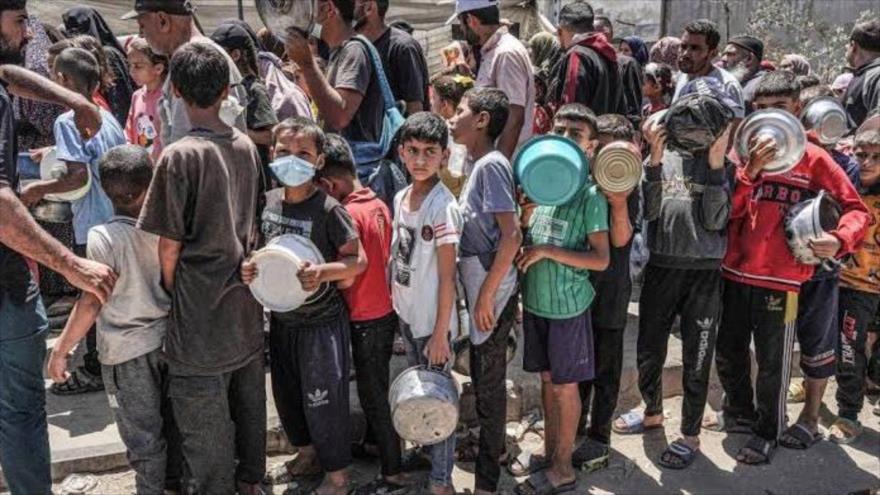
x=613, y=286
x=405, y=66
x=260, y=114
x=15, y=278
x=329, y=226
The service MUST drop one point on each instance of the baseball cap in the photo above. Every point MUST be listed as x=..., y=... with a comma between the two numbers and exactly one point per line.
x=232, y=36
x=750, y=44
x=173, y=7
x=462, y=6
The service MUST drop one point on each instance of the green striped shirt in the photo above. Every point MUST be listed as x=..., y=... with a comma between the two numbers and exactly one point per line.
x=551, y=289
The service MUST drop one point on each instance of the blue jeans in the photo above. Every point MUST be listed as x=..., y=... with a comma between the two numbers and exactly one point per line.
x=443, y=453
x=24, y=437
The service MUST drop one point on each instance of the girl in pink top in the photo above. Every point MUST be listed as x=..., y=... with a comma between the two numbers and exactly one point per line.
x=148, y=71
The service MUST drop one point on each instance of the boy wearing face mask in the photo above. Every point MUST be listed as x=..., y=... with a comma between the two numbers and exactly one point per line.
x=309, y=346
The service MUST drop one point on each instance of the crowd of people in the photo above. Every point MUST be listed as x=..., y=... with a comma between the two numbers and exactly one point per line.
x=196, y=149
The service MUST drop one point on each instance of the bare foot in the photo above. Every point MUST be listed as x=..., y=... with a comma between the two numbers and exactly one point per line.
x=442, y=490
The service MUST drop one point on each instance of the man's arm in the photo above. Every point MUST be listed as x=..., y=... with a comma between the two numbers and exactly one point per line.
x=20, y=232
x=27, y=84
x=169, y=254
x=510, y=135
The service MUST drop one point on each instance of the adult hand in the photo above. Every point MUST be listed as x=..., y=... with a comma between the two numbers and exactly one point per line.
x=657, y=142
x=719, y=149
x=309, y=276
x=438, y=351
x=762, y=151
x=90, y=276
x=87, y=118
x=297, y=47
x=56, y=367
x=31, y=194
x=249, y=271
x=484, y=312
x=826, y=246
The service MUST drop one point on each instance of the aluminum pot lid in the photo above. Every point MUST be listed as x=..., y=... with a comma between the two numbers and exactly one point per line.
x=783, y=128
x=826, y=117
x=281, y=15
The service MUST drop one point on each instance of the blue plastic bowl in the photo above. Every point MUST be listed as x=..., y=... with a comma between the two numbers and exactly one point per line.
x=551, y=170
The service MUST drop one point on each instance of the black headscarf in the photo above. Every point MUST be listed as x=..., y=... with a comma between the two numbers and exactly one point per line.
x=250, y=31
x=86, y=20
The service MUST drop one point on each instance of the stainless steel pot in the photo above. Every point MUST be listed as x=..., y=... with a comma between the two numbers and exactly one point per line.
x=424, y=405
x=807, y=221
x=462, y=350
x=827, y=118
x=783, y=128
x=281, y=15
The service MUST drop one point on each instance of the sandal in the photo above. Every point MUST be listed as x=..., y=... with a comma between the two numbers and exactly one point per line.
x=844, y=431
x=526, y=463
x=756, y=451
x=292, y=471
x=678, y=455
x=380, y=486
x=79, y=382
x=799, y=437
x=633, y=424
x=590, y=456
x=796, y=393
x=539, y=484
x=725, y=423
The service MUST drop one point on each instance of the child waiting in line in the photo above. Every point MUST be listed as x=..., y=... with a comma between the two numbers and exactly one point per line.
x=427, y=226
x=148, y=69
x=308, y=346
x=131, y=325
x=447, y=88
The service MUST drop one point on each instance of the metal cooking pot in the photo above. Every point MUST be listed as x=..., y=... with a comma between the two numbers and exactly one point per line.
x=424, y=405
x=618, y=167
x=462, y=350
x=827, y=118
x=281, y=15
x=786, y=131
x=808, y=220
x=53, y=211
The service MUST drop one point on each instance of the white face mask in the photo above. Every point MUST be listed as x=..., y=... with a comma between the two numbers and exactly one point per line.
x=230, y=109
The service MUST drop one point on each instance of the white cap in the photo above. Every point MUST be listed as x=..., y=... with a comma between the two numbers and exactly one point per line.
x=462, y=6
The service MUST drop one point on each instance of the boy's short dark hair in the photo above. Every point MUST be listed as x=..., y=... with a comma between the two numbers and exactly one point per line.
x=492, y=101
x=200, y=73
x=346, y=9
x=12, y=5
x=577, y=17
x=616, y=126
x=578, y=112
x=81, y=67
x=705, y=28
x=488, y=16
x=382, y=6
x=126, y=172
x=811, y=93
x=808, y=81
x=867, y=35
x=426, y=127
x=338, y=158
x=867, y=138
x=302, y=125
x=778, y=83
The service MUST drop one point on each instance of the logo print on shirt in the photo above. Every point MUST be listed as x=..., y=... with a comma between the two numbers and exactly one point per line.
x=318, y=398
x=427, y=233
x=403, y=259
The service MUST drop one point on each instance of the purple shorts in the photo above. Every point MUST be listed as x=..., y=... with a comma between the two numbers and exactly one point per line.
x=562, y=347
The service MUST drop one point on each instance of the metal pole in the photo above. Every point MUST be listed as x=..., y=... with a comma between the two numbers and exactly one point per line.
x=241, y=10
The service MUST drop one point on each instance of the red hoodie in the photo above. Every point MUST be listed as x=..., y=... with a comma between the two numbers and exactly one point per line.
x=369, y=298
x=757, y=252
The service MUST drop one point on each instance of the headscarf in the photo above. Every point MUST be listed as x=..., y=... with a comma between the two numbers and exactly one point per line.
x=841, y=82
x=796, y=63
x=665, y=51
x=638, y=49
x=86, y=20
x=545, y=51
x=250, y=31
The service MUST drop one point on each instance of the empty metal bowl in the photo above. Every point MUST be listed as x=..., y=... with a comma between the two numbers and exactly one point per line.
x=783, y=128
x=827, y=118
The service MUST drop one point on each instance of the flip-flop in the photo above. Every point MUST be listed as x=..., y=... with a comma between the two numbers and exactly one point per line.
x=683, y=455
x=590, y=456
x=757, y=445
x=527, y=463
x=539, y=484
x=799, y=437
x=725, y=423
x=635, y=424
x=844, y=431
x=280, y=474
